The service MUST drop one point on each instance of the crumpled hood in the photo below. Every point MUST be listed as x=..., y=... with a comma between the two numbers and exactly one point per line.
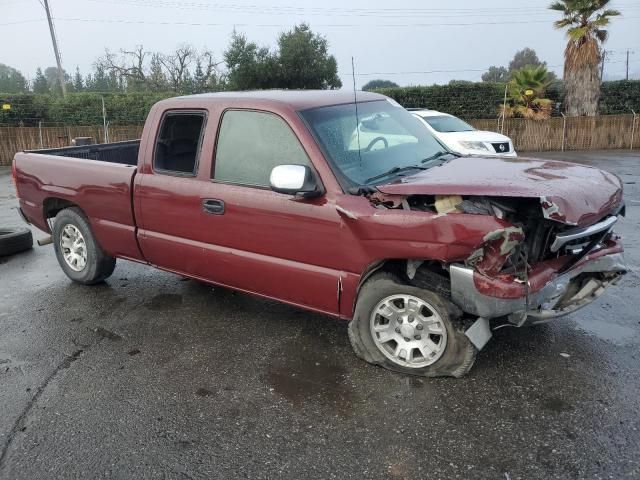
x=569, y=193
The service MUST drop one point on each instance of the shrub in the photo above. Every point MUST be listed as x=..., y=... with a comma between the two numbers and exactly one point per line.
x=78, y=108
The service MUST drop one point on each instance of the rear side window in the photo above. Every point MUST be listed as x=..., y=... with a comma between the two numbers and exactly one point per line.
x=178, y=145
x=251, y=143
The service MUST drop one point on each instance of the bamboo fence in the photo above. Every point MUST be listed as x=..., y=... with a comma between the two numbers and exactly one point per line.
x=562, y=133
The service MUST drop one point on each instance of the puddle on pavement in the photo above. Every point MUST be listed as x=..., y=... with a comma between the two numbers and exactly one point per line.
x=203, y=392
x=8, y=363
x=312, y=380
x=556, y=404
x=611, y=332
x=164, y=301
x=104, y=333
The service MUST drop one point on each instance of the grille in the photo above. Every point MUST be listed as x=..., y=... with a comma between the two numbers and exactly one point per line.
x=575, y=239
x=501, y=147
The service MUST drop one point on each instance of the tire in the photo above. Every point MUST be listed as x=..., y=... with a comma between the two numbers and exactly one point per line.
x=454, y=355
x=97, y=265
x=15, y=240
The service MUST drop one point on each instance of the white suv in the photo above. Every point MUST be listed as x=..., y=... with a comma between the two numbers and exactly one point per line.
x=462, y=138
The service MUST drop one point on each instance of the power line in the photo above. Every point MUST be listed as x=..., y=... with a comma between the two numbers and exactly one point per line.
x=325, y=10
x=346, y=25
x=18, y=22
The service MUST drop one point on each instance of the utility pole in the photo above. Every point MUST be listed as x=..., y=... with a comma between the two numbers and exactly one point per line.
x=604, y=56
x=627, y=64
x=55, y=49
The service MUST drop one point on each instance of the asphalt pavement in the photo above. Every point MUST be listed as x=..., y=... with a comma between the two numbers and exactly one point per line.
x=152, y=376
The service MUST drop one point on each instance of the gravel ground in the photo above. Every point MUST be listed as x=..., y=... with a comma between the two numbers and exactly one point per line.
x=152, y=376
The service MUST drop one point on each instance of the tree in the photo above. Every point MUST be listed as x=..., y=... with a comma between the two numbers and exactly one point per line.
x=300, y=61
x=585, y=21
x=157, y=80
x=495, y=74
x=526, y=90
x=78, y=81
x=11, y=80
x=51, y=74
x=40, y=84
x=199, y=79
x=304, y=60
x=379, y=83
x=523, y=58
x=249, y=66
x=138, y=69
x=99, y=81
x=206, y=77
x=128, y=66
x=177, y=66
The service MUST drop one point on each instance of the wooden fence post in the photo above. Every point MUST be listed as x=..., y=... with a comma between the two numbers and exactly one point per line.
x=633, y=129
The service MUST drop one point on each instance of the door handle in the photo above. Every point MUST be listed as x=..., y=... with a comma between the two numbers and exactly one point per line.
x=213, y=206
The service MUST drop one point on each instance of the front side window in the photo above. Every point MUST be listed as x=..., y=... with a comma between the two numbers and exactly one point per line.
x=251, y=144
x=388, y=142
x=446, y=124
x=178, y=144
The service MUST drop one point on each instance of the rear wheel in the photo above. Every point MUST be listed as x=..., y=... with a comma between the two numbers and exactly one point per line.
x=79, y=254
x=408, y=329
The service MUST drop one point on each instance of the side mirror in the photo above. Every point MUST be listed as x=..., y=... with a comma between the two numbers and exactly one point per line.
x=294, y=180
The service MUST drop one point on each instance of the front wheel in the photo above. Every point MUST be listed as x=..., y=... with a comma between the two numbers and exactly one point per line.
x=408, y=329
x=79, y=254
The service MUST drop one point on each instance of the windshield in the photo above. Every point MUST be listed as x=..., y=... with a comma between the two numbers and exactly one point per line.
x=388, y=142
x=446, y=124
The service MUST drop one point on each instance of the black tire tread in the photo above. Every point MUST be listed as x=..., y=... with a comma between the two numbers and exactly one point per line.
x=462, y=362
x=104, y=264
x=15, y=240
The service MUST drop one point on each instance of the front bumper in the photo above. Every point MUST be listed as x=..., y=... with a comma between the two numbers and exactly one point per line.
x=560, y=296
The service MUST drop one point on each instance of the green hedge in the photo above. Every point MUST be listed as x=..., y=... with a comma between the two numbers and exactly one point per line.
x=78, y=108
x=482, y=100
x=468, y=100
x=464, y=99
x=620, y=97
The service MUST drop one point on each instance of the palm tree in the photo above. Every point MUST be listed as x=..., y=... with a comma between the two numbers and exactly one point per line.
x=527, y=89
x=585, y=20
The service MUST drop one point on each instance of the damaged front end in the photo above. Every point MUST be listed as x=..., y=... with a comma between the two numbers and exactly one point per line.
x=541, y=268
x=536, y=267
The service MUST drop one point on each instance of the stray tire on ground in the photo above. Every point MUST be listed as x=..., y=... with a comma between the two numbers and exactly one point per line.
x=14, y=240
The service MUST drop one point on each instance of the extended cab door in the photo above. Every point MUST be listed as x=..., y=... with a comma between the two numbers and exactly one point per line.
x=277, y=245
x=167, y=202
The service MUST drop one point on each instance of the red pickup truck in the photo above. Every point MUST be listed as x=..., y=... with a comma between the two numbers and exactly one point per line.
x=352, y=209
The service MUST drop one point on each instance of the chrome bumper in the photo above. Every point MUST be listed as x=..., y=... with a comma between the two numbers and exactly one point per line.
x=540, y=306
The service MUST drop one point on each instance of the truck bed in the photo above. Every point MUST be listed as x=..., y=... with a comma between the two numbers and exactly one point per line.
x=125, y=153
x=49, y=180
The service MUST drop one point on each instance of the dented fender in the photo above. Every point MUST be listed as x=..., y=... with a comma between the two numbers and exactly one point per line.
x=496, y=248
x=401, y=233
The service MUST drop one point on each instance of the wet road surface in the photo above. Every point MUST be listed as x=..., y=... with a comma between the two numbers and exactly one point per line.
x=152, y=376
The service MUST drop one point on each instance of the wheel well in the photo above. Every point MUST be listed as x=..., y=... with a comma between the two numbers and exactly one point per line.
x=53, y=205
x=430, y=275
x=427, y=274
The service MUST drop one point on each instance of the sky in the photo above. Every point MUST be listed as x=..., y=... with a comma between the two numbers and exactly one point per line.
x=412, y=42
